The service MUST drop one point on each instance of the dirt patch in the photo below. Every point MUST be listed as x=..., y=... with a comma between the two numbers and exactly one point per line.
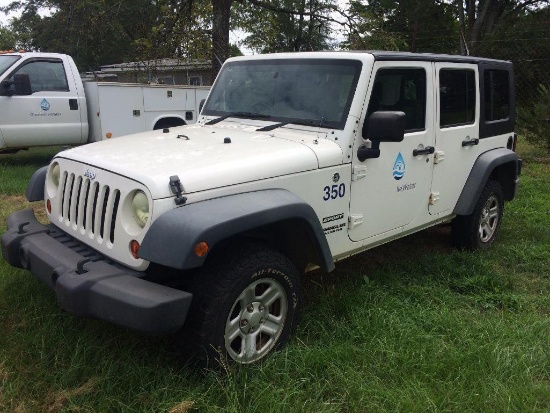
x=12, y=203
x=182, y=407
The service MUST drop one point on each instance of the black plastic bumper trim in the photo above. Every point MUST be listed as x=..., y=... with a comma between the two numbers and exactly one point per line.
x=88, y=284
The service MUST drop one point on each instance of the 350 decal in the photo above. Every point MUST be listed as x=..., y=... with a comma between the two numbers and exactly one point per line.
x=334, y=191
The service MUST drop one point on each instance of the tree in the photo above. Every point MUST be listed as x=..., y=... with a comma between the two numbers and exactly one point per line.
x=7, y=38
x=279, y=31
x=482, y=17
x=416, y=26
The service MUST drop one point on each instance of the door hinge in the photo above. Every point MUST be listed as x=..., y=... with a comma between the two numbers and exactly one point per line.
x=439, y=156
x=355, y=220
x=358, y=172
x=434, y=197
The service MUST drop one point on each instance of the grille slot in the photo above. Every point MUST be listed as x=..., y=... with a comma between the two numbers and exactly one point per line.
x=89, y=207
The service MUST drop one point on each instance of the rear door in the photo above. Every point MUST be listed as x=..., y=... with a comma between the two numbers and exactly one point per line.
x=50, y=115
x=457, y=133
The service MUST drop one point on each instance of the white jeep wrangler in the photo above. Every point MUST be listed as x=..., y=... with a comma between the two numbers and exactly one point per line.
x=297, y=161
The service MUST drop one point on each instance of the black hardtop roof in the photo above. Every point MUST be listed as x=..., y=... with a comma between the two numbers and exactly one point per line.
x=432, y=57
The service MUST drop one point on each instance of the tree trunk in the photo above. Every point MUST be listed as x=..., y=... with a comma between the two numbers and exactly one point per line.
x=220, y=33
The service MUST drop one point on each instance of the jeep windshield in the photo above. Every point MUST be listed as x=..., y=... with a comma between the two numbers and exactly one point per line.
x=6, y=62
x=314, y=92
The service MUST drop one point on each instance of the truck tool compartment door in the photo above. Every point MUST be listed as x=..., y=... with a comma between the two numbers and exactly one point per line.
x=457, y=132
x=50, y=115
x=389, y=192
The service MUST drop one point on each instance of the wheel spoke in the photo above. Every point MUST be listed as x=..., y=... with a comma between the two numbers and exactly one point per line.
x=272, y=326
x=270, y=296
x=493, y=212
x=232, y=330
x=249, y=347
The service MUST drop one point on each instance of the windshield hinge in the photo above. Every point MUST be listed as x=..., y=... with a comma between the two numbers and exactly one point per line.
x=355, y=220
x=358, y=172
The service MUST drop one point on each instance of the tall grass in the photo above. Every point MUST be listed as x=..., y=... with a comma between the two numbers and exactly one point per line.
x=412, y=326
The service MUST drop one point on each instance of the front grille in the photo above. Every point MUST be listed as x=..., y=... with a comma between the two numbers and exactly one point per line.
x=89, y=207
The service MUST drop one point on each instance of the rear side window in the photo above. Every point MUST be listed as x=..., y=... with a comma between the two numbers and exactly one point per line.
x=457, y=97
x=497, y=95
x=401, y=90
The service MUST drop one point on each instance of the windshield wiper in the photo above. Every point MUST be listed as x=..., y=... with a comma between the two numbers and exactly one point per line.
x=297, y=121
x=251, y=115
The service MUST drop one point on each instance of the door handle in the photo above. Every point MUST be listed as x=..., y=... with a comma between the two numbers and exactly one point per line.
x=73, y=104
x=428, y=150
x=471, y=142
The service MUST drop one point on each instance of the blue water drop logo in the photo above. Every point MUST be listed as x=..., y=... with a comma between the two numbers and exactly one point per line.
x=45, y=105
x=399, y=167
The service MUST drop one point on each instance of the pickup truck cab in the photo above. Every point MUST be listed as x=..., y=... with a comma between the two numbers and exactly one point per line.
x=43, y=101
x=297, y=161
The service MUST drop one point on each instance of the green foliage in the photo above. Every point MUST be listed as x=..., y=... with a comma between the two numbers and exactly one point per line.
x=297, y=26
x=7, y=38
x=411, y=25
x=534, y=119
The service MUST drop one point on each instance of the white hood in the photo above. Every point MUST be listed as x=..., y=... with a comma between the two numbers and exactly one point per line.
x=203, y=161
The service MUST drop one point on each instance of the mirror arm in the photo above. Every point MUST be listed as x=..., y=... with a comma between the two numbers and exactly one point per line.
x=363, y=152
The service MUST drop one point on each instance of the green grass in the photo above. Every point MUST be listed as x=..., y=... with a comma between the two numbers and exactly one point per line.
x=412, y=326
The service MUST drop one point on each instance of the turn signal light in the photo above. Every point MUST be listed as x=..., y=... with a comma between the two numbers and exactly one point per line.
x=134, y=248
x=108, y=134
x=49, y=206
x=201, y=249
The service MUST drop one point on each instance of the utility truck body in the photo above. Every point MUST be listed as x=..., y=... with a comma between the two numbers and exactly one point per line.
x=44, y=102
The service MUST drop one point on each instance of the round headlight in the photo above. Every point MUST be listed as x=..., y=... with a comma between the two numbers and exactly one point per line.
x=140, y=208
x=56, y=174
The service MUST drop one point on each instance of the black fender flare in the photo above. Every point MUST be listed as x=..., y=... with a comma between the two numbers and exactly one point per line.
x=35, y=187
x=483, y=167
x=171, y=239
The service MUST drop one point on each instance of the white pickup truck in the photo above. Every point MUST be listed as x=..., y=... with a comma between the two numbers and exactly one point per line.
x=43, y=102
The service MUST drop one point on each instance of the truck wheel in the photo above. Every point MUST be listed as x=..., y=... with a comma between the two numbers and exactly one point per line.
x=246, y=303
x=478, y=230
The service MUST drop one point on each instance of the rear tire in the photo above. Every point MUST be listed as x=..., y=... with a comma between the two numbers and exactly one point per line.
x=246, y=303
x=478, y=230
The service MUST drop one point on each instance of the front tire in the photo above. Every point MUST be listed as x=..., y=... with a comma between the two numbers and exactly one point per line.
x=246, y=303
x=478, y=230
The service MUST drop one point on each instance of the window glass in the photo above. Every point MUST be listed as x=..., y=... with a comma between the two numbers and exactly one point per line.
x=302, y=91
x=497, y=95
x=46, y=76
x=401, y=90
x=6, y=61
x=457, y=97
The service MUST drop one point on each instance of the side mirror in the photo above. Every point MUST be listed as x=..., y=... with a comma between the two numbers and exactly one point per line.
x=201, y=105
x=383, y=126
x=6, y=88
x=22, y=85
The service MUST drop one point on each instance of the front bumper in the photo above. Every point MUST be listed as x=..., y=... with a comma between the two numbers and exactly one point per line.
x=88, y=284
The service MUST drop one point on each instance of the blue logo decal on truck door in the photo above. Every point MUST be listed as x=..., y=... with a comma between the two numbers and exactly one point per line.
x=399, y=167
x=45, y=105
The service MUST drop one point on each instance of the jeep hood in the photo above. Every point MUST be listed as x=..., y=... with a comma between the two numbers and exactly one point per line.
x=208, y=157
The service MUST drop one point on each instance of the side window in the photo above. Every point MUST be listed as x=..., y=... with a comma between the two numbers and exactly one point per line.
x=497, y=95
x=457, y=97
x=401, y=90
x=45, y=76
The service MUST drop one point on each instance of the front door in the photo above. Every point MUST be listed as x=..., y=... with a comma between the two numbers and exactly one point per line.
x=389, y=192
x=51, y=115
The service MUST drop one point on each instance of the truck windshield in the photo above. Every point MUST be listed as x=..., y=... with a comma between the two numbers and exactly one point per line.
x=304, y=91
x=6, y=62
